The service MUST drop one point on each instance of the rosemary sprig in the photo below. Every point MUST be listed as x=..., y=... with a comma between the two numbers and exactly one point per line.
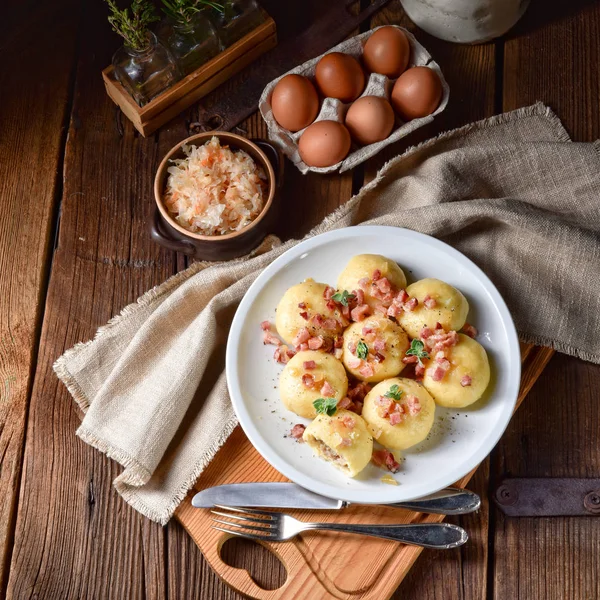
x=133, y=28
x=183, y=11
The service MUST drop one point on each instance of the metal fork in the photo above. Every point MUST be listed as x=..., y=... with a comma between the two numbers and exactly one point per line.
x=270, y=526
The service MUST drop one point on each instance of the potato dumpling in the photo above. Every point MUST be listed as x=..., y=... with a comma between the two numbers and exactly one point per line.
x=439, y=302
x=399, y=413
x=383, y=340
x=343, y=440
x=310, y=375
x=362, y=267
x=306, y=299
x=466, y=379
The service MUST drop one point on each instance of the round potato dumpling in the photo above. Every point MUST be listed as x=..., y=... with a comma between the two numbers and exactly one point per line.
x=342, y=439
x=308, y=376
x=439, y=302
x=467, y=378
x=361, y=268
x=305, y=305
x=399, y=413
x=384, y=344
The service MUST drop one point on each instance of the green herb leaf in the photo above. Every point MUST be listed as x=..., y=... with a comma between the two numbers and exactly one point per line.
x=343, y=297
x=417, y=348
x=362, y=350
x=326, y=406
x=394, y=393
x=133, y=27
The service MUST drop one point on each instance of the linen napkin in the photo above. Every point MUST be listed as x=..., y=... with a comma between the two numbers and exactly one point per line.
x=511, y=192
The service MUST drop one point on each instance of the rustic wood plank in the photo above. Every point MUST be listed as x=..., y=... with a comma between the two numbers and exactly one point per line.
x=33, y=110
x=553, y=56
x=75, y=537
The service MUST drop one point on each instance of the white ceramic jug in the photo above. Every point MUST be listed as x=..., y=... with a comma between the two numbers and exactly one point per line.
x=465, y=21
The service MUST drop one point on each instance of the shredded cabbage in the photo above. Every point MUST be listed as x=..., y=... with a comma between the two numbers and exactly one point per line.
x=214, y=190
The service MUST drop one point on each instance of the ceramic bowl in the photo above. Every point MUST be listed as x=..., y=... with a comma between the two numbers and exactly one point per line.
x=165, y=231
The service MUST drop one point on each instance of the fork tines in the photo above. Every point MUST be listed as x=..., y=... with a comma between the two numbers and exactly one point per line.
x=245, y=519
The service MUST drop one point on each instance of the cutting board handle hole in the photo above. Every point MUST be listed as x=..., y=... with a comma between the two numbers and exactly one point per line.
x=256, y=559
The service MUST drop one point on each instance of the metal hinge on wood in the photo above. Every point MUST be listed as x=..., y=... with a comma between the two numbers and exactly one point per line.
x=549, y=497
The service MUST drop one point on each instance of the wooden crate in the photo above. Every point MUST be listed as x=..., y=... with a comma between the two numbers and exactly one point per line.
x=147, y=119
x=323, y=565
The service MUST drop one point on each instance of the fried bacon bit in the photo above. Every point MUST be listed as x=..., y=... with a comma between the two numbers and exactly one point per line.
x=442, y=361
x=346, y=442
x=330, y=324
x=359, y=296
x=413, y=404
x=402, y=296
x=376, y=274
x=265, y=326
x=438, y=325
x=466, y=380
x=359, y=390
x=327, y=390
x=381, y=309
x=327, y=344
x=297, y=432
x=302, y=347
x=301, y=337
x=345, y=403
x=354, y=362
x=379, y=357
x=317, y=320
x=367, y=330
x=309, y=365
x=348, y=421
x=304, y=315
x=364, y=283
x=328, y=293
x=367, y=370
x=470, y=330
x=351, y=405
x=438, y=373
x=302, y=305
x=352, y=345
x=314, y=343
x=411, y=304
x=269, y=338
x=360, y=313
x=384, y=285
x=429, y=302
x=280, y=354
x=419, y=371
x=385, y=459
x=441, y=340
x=290, y=353
x=396, y=418
x=426, y=333
x=407, y=360
x=338, y=342
x=308, y=381
x=379, y=344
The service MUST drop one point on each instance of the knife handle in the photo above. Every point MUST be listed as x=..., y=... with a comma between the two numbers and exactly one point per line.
x=449, y=501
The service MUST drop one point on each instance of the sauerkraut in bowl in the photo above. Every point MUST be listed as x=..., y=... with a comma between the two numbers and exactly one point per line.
x=215, y=190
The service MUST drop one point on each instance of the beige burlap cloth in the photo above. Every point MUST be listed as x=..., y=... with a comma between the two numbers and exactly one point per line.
x=512, y=192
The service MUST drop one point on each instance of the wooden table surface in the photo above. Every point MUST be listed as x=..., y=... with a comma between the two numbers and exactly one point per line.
x=76, y=193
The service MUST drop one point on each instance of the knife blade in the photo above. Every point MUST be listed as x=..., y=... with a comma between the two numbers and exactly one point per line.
x=450, y=501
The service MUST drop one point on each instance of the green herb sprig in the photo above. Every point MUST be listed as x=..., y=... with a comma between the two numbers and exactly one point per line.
x=417, y=348
x=132, y=23
x=343, y=297
x=326, y=406
x=394, y=393
x=362, y=350
x=183, y=11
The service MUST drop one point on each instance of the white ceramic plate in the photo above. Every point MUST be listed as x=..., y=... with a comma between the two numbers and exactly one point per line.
x=459, y=440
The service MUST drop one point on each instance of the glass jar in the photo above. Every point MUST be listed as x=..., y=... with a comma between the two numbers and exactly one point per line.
x=146, y=73
x=194, y=43
x=238, y=18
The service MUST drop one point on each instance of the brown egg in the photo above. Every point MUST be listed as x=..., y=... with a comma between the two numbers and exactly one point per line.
x=324, y=143
x=340, y=76
x=417, y=93
x=370, y=119
x=387, y=52
x=294, y=102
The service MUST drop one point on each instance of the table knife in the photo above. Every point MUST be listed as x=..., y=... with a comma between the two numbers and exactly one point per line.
x=449, y=501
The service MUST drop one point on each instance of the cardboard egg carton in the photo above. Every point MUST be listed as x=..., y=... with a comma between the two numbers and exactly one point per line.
x=335, y=110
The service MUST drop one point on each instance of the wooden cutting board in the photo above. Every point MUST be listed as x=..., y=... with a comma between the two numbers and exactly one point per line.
x=321, y=565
